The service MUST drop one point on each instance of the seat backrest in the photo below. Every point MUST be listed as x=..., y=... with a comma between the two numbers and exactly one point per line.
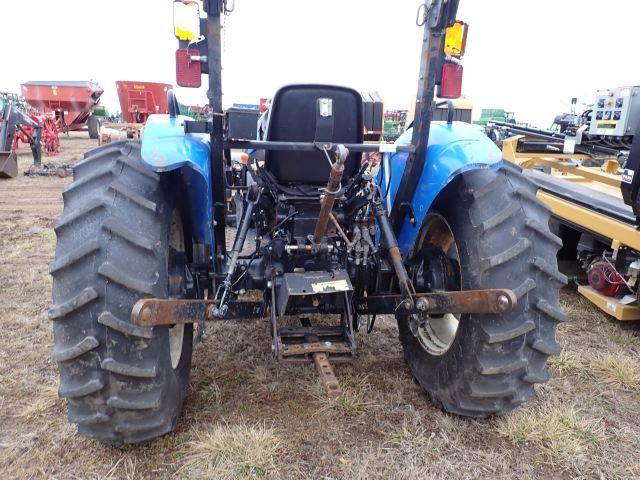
x=295, y=117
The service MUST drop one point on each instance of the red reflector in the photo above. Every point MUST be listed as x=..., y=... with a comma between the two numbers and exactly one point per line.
x=451, y=81
x=188, y=72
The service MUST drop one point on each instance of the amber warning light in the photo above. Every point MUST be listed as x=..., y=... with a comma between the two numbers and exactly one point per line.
x=455, y=43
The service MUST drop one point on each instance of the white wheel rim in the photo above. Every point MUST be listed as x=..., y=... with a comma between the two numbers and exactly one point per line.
x=176, y=337
x=436, y=334
x=176, y=333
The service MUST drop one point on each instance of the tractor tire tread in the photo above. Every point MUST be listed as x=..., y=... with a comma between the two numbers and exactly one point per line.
x=78, y=301
x=132, y=196
x=494, y=363
x=112, y=250
x=501, y=217
x=134, y=238
x=80, y=252
x=69, y=390
x=92, y=418
x=136, y=402
x=116, y=275
x=109, y=320
x=62, y=354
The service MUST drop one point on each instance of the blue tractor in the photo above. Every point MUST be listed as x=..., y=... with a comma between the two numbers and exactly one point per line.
x=443, y=235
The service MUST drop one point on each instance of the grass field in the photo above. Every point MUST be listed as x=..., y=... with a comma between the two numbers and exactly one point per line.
x=248, y=417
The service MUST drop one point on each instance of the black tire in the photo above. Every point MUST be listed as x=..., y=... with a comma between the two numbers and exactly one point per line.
x=504, y=241
x=112, y=249
x=93, y=125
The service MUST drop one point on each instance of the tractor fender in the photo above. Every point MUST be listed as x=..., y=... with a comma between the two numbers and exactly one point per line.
x=452, y=149
x=165, y=148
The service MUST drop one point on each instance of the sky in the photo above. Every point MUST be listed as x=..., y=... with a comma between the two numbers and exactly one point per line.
x=527, y=56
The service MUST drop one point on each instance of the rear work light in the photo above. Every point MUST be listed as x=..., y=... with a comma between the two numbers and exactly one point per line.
x=188, y=68
x=450, y=81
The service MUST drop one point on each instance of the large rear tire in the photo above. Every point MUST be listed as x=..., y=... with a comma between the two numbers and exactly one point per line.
x=481, y=365
x=120, y=238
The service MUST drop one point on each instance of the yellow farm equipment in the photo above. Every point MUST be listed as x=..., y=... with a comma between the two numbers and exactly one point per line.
x=593, y=196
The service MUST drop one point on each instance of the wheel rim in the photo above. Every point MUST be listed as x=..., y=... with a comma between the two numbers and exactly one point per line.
x=437, y=333
x=176, y=337
x=176, y=244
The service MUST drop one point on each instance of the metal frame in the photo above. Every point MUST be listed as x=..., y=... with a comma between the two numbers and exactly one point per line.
x=559, y=162
x=435, y=15
x=213, y=27
x=436, y=19
x=556, y=139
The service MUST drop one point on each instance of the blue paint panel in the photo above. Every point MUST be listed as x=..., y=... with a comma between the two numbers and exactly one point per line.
x=165, y=147
x=452, y=149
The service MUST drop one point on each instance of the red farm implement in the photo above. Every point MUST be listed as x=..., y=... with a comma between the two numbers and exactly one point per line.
x=70, y=104
x=49, y=135
x=138, y=100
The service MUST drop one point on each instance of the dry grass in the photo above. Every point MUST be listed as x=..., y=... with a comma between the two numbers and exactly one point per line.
x=246, y=415
x=560, y=434
x=231, y=451
x=41, y=402
x=617, y=371
x=567, y=363
x=355, y=398
x=411, y=438
x=210, y=391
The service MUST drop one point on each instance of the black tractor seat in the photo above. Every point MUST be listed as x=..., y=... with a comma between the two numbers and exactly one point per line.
x=312, y=113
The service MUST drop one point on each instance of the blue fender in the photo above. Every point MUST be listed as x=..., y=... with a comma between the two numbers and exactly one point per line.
x=452, y=150
x=166, y=147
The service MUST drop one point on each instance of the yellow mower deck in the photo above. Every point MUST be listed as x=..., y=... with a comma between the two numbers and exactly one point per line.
x=606, y=216
x=612, y=306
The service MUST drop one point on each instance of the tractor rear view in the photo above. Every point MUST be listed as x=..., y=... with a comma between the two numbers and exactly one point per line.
x=444, y=237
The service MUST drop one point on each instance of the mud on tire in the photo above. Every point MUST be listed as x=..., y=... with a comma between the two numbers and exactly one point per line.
x=113, y=248
x=504, y=241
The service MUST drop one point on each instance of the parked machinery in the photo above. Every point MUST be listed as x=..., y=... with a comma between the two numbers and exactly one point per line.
x=589, y=182
x=70, y=103
x=395, y=122
x=138, y=99
x=445, y=237
x=615, y=116
x=605, y=128
x=15, y=125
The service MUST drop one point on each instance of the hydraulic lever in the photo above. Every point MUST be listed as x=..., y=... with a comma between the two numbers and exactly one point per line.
x=224, y=290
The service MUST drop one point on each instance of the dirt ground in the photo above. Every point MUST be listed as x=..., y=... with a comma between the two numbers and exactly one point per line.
x=247, y=416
